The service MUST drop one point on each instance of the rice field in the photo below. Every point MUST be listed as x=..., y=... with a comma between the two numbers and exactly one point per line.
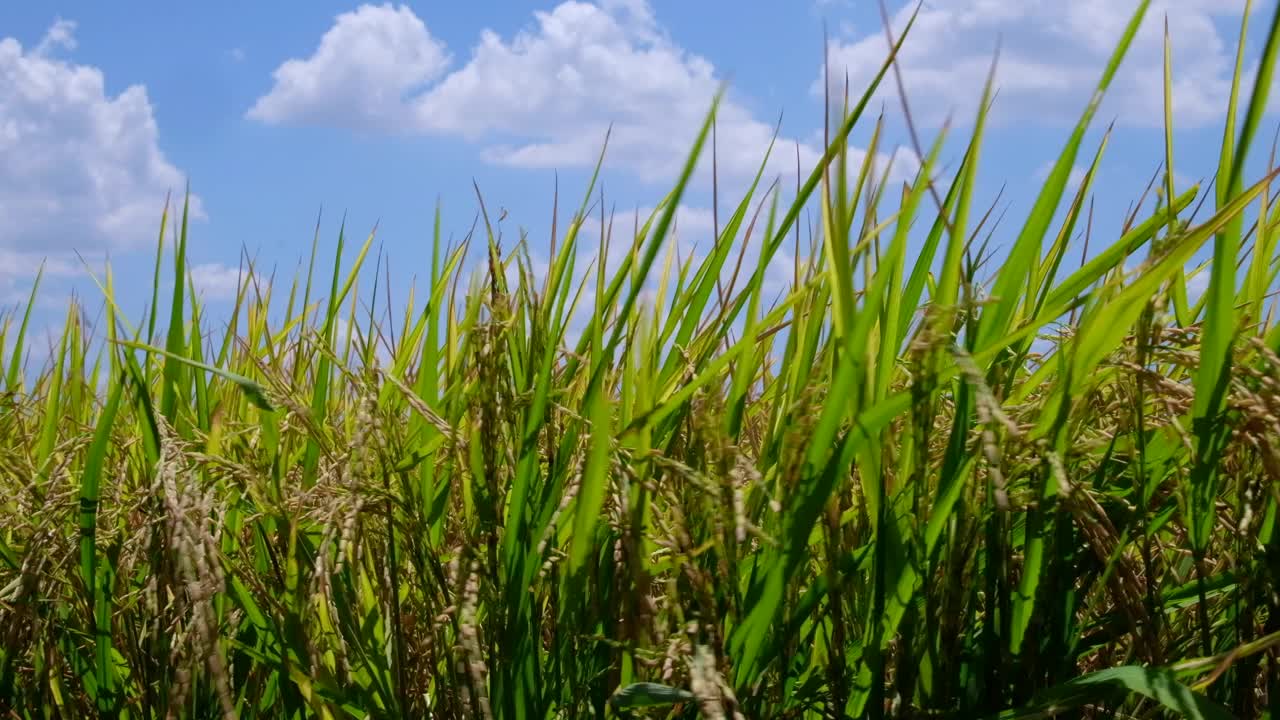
x=925, y=480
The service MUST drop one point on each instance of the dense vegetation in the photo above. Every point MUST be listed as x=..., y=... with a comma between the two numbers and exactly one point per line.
x=924, y=486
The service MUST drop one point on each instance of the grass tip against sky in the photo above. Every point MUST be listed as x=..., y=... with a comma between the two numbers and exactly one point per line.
x=375, y=111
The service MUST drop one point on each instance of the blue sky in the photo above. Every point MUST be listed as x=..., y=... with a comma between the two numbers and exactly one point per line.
x=275, y=110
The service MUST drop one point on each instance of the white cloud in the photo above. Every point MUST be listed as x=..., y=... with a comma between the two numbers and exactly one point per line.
x=559, y=85
x=18, y=268
x=360, y=75
x=216, y=281
x=543, y=97
x=60, y=36
x=1052, y=56
x=78, y=168
x=691, y=223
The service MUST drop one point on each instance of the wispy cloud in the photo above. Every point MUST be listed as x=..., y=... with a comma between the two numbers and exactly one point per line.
x=1051, y=57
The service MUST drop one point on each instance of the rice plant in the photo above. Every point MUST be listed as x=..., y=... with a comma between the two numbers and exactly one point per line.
x=930, y=486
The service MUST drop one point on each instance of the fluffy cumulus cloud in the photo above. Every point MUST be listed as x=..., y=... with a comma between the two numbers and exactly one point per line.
x=79, y=168
x=216, y=281
x=1052, y=54
x=362, y=74
x=543, y=97
x=558, y=86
